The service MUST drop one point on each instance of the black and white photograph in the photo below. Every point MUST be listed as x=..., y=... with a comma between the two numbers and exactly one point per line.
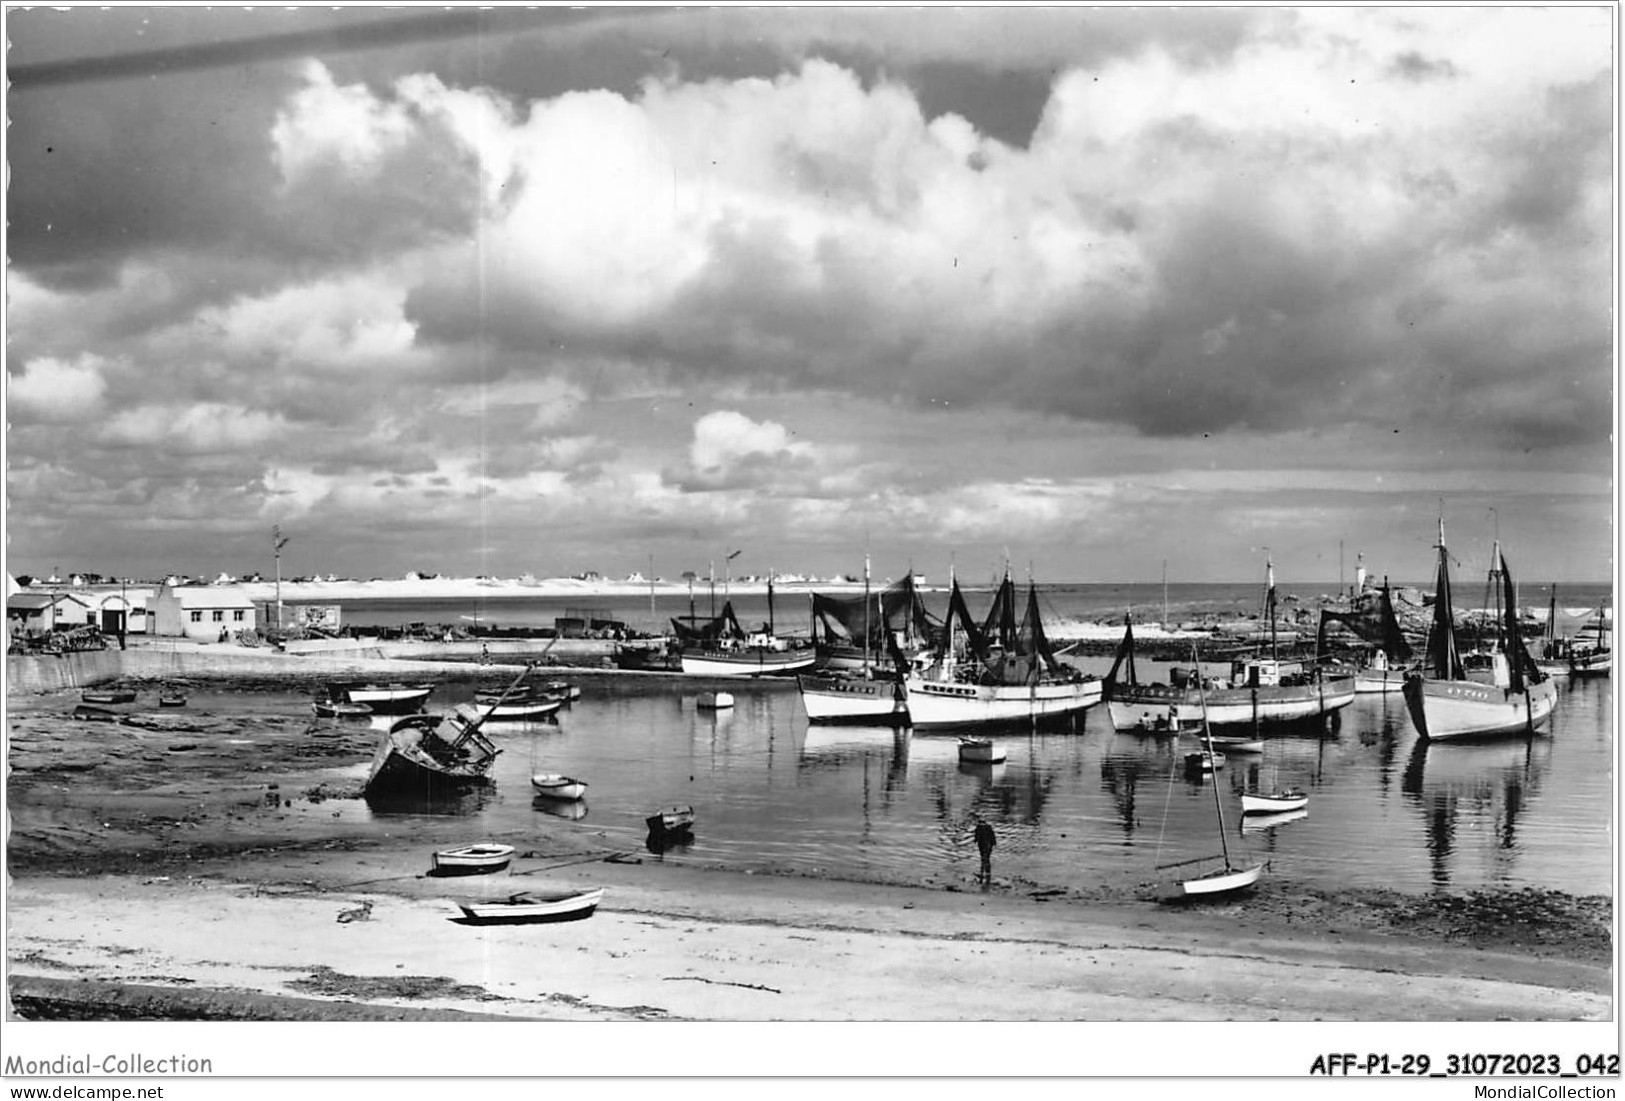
x=664, y=519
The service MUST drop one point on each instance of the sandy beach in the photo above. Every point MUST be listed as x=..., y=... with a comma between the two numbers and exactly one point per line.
x=157, y=871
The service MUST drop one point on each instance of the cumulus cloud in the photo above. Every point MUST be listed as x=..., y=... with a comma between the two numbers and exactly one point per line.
x=51, y=391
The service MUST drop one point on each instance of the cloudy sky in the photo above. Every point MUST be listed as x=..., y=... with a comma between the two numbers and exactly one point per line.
x=549, y=290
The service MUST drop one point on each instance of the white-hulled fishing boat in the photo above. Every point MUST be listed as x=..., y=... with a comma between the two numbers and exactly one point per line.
x=998, y=675
x=1499, y=691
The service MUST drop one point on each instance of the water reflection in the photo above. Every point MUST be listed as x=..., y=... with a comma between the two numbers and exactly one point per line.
x=572, y=809
x=1480, y=781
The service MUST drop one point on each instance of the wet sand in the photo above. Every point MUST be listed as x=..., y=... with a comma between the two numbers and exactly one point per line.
x=157, y=855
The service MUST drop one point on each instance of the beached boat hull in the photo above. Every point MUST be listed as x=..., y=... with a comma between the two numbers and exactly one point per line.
x=532, y=908
x=111, y=696
x=386, y=699
x=950, y=704
x=402, y=767
x=1227, y=882
x=1445, y=709
x=328, y=709
x=671, y=820
x=853, y=700
x=746, y=662
x=473, y=859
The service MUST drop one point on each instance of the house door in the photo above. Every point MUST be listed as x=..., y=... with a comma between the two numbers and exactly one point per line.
x=112, y=621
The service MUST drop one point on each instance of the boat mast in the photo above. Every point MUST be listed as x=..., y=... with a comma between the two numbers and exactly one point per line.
x=866, y=613
x=1269, y=599
x=1165, y=594
x=1207, y=738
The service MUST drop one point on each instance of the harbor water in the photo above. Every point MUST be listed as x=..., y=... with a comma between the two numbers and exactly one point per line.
x=1080, y=809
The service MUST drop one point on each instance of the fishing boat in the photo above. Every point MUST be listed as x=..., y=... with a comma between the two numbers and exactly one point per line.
x=106, y=696
x=383, y=699
x=863, y=651
x=1211, y=876
x=555, y=785
x=1496, y=690
x=1554, y=658
x=1388, y=665
x=719, y=647
x=714, y=701
x=473, y=859
x=855, y=634
x=999, y=673
x=1262, y=692
x=426, y=756
x=1591, y=652
x=981, y=751
x=1283, y=801
x=528, y=907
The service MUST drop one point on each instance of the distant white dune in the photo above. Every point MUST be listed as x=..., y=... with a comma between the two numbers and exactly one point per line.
x=488, y=588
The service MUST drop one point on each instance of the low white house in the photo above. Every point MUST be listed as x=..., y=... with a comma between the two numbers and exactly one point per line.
x=33, y=612
x=202, y=612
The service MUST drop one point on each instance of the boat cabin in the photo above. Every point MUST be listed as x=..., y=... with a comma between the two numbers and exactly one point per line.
x=1487, y=667
x=1265, y=673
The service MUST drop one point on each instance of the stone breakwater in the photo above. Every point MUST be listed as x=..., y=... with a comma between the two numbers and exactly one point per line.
x=30, y=674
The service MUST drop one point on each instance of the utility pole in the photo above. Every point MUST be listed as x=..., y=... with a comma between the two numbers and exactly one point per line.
x=278, y=541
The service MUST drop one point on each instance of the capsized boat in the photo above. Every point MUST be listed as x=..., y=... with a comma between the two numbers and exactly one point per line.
x=528, y=907
x=426, y=756
x=1498, y=690
x=999, y=673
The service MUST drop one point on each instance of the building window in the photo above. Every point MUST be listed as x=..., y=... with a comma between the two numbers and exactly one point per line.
x=237, y=616
x=197, y=617
x=219, y=615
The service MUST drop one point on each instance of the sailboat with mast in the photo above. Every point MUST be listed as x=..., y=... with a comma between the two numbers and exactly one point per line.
x=1218, y=875
x=1002, y=675
x=887, y=627
x=1496, y=690
x=1391, y=653
x=432, y=756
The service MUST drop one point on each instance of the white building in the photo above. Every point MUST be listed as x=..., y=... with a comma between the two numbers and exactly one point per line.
x=202, y=612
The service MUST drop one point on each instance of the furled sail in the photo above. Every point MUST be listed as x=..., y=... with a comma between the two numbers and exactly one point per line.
x=707, y=630
x=1521, y=665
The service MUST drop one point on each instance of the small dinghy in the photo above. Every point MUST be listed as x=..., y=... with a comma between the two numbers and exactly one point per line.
x=555, y=785
x=171, y=697
x=981, y=751
x=562, y=690
x=1274, y=802
x=714, y=701
x=675, y=819
x=1237, y=744
x=533, y=906
x=337, y=709
x=473, y=859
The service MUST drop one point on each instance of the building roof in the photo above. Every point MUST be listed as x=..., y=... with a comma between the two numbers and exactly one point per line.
x=40, y=600
x=210, y=596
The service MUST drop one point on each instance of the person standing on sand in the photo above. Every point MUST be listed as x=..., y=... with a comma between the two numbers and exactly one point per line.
x=985, y=840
